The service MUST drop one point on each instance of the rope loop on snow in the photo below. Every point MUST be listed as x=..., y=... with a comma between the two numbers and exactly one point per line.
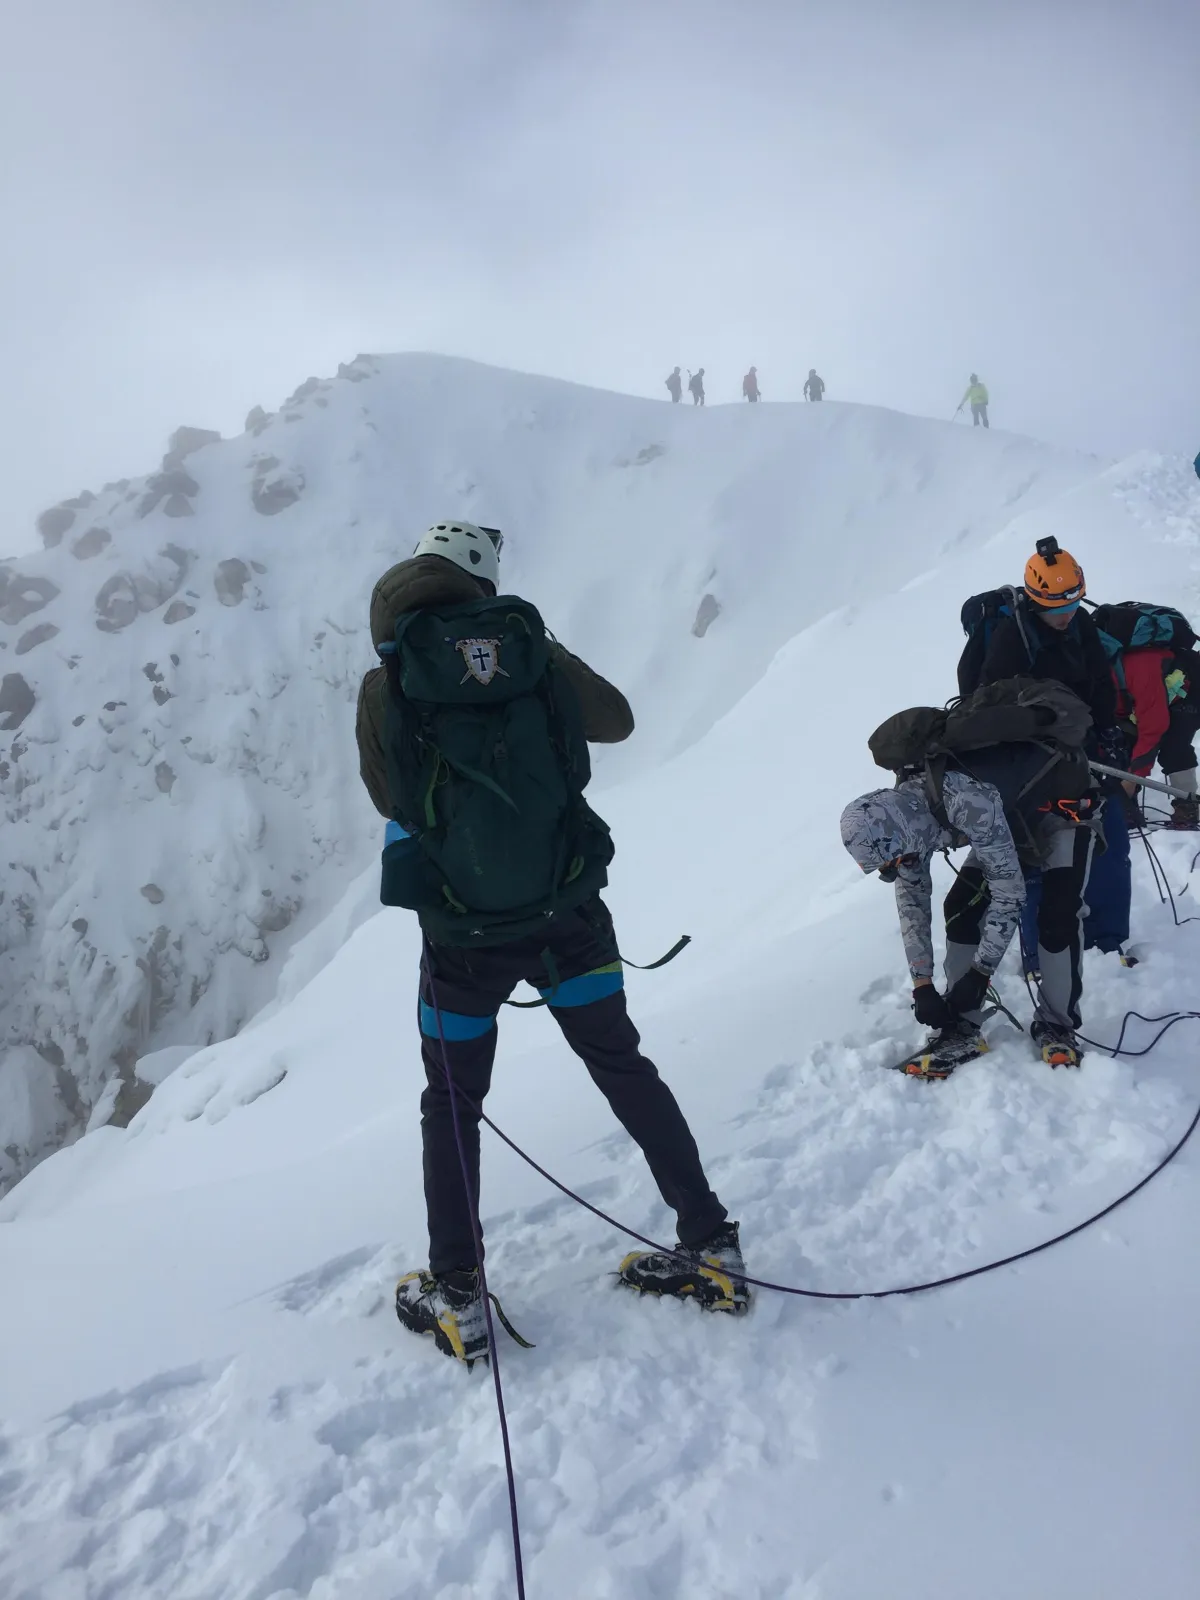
x=1168, y=1021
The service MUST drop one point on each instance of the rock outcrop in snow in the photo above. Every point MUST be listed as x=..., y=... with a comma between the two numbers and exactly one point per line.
x=178, y=666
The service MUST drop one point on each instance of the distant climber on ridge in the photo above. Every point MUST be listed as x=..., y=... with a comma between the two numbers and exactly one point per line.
x=814, y=387
x=978, y=396
x=750, y=385
x=696, y=386
x=472, y=738
x=675, y=387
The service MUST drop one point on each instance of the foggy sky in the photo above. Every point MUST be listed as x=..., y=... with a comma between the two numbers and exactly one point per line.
x=202, y=202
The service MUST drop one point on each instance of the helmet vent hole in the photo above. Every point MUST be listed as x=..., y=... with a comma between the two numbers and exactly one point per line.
x=475, y=556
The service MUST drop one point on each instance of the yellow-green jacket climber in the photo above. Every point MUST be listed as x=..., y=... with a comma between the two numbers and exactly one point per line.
x=978, y=396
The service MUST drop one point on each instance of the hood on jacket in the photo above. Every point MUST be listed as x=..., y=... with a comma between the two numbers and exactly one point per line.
x=420, y=581
x=878, y=827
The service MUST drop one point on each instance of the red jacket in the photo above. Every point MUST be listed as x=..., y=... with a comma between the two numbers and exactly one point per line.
x=750, y=386
x=1145, y=695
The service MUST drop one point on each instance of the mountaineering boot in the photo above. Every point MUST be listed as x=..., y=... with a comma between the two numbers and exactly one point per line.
x=710, y=1273
x=1185, y=815
x=1058, y=1045
x=944, y=1050
x=449, y=1307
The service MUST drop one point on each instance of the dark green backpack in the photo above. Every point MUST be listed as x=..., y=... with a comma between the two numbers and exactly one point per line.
x=487, y=763
x=1039, y=713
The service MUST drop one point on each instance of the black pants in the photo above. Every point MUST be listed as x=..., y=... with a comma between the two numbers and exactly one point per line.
x=979, y=413
x=1177, y=751
x=574, y=962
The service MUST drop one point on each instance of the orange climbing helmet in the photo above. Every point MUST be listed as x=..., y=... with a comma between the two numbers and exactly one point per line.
x=1053, y=577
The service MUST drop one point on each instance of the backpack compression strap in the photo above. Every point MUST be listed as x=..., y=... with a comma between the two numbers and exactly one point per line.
x=677, y=948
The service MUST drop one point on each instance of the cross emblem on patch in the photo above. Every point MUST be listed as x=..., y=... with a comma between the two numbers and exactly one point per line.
x=482, y=657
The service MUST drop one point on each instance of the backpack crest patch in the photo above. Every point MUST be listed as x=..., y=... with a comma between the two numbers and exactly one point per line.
x=482, y=658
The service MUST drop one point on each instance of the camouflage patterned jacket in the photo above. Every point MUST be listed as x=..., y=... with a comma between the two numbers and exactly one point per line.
x=430, y=581
x=977, y=818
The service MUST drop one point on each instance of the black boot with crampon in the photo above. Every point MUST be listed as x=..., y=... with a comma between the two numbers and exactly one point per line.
x=450, y=1308
x=1185, y=815
x=711, y=1273
x=1059, y=1046
x=944, y=1050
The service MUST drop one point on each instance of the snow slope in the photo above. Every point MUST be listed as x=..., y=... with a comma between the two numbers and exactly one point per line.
x=205, y=1393
x=181, y=800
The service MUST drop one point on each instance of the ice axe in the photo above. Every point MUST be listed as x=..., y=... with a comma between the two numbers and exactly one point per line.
x=1146, y=783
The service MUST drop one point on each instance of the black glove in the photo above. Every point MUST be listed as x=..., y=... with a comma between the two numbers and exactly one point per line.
x=969, y=993
x=932, y=1011
x=1114, y=747
x=1131, y=804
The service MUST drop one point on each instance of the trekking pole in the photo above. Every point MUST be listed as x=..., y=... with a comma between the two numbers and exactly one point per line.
x=1146, y=783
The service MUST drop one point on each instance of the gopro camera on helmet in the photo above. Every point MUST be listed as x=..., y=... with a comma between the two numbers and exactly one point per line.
x=1048, y=550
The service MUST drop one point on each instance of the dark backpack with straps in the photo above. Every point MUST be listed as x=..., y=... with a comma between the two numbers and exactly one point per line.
x=1049, y=720
x=980, y=617
x=1136, y=625
x=487, y=764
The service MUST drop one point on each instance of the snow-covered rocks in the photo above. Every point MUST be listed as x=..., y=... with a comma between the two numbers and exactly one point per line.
x=21, y=596
x=17, y=700
x=185, y=441
x=274, y=486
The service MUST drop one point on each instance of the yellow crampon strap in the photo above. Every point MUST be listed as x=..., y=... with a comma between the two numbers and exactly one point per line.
x=507, y=1325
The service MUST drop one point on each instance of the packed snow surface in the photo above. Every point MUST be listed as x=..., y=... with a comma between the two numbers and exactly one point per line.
x=206, y=1395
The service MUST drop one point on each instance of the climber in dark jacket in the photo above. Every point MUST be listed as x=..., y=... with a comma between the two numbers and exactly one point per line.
x=1054, y=640
x=573, y=957
x=1053, y=637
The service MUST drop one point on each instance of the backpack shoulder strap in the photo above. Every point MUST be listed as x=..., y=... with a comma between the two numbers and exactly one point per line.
x=935, y=778
x=1020, y=616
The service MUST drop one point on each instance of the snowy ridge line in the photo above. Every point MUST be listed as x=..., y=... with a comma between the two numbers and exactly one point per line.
x=1169, y=1019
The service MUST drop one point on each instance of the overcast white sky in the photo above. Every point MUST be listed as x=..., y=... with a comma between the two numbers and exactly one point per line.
x=204, y=201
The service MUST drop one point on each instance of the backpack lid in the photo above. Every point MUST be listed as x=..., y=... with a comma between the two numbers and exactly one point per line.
x=413, y=585
x=1018, y=711
x=1012, y=711
x=907, y=738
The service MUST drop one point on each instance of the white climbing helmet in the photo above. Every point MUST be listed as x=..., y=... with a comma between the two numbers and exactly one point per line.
x=476, y=550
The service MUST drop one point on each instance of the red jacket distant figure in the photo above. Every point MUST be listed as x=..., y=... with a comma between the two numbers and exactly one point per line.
x=750, y=384
x=1159, y=697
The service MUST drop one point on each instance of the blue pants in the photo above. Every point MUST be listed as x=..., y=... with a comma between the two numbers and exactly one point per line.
x=1109, y=889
